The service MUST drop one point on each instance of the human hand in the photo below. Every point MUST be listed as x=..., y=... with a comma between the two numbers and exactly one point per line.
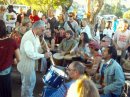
x=47, y=54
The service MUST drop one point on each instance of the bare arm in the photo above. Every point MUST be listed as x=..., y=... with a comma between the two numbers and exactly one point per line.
x=52, y=44
x=17, y=55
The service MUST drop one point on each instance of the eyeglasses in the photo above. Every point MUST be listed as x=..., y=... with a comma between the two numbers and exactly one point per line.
x=104, y=41
x=69, y=69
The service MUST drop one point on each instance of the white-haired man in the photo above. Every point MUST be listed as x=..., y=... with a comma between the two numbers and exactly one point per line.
x=30, y=50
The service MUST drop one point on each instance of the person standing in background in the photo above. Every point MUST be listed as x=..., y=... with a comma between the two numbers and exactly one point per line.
x=29, y=11
x=121, y=39
x=2, y=11
x=34, y=17
x=10, y=18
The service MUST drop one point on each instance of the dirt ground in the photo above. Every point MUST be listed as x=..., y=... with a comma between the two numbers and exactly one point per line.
x=16, y=84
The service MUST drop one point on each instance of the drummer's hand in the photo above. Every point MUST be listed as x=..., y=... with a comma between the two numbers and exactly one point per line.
x=47, y=54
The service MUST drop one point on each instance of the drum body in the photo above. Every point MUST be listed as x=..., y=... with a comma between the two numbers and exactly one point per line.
x=68, y=59
x=54, y=77
x=58, y=59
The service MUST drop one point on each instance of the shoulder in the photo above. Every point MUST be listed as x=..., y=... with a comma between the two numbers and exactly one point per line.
x=12, y=42
x=116, y=65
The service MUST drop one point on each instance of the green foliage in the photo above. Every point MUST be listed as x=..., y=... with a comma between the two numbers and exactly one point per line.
x=44, y=5
x=108, y=9
x=126, y=15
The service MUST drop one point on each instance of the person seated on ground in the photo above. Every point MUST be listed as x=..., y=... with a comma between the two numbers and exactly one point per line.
x=83, y=87
x=75, y=70
x=111, y=75
x=49, y=40
x=60, y=35
x=45, y=63
x=67, y=43
x=81, y=49
x=95, y=59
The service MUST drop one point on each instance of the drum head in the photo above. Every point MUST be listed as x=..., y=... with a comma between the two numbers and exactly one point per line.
x=59, y=71
x=58, y=56
x=69, y=57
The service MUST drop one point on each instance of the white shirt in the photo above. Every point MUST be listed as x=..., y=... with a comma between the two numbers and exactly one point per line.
x=74, y=25
x=108, y=32
x=87, y=30
x=30, y=49
x=122, y=39
x=10, y=19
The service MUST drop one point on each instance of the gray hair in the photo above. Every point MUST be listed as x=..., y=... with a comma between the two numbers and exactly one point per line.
x=109, y=39
x=78, y=66
x=38, y=24
x=47, y=30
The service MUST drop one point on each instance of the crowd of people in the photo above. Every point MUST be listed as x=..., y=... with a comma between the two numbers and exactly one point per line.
x=95, y=65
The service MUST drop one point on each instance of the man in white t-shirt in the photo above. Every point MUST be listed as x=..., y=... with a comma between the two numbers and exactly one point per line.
x=121, y=39
x=10, y=18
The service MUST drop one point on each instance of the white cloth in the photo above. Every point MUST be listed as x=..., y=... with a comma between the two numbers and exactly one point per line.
x=108, y=32
x=29, y=50
x=74, y=25
x=87, y=30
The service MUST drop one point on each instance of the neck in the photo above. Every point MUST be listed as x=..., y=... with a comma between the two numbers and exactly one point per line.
x=107, y=59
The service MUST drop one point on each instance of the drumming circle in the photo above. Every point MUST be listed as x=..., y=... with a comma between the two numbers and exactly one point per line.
x=54, y=77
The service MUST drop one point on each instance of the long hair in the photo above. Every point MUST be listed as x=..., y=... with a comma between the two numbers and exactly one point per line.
x=85, y=40
x=3, y=31
x=83, y=87
x=87, y=88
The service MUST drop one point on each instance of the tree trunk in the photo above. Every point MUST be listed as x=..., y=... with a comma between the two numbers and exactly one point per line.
x=92, y=13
